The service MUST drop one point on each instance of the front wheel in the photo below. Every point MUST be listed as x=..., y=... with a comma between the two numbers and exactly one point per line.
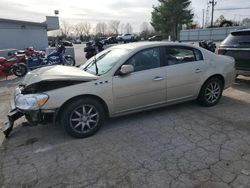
x=20, y=69
x=211, y=92
x=82, y=118
x=69, y=61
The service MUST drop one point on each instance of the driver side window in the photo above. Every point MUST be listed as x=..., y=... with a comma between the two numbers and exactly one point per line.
x=146, y=59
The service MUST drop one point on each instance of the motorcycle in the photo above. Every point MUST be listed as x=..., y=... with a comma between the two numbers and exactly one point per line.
x=209, y=45
x=92, y=49
x=57, y=56
x=31, y=52
x=15, y=65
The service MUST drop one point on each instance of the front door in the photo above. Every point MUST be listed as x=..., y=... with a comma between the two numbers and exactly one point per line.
x=145, y=87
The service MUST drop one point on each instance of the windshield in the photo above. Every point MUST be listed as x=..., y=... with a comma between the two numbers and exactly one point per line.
x=104, y=60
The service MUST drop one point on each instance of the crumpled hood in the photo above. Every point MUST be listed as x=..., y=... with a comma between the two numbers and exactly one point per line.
x=57, y=72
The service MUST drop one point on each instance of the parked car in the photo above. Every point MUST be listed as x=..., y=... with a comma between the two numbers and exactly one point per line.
x=121, y=80
x=77, y=42
x=67, y=43
x=155, y=38
x=237, y=45
x=126, y=38
x=110, y=40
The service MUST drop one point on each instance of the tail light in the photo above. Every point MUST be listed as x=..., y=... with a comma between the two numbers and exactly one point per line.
x=219, y=51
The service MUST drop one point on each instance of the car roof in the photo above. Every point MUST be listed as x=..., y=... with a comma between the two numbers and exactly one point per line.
x=143, y=45
x=241, y=31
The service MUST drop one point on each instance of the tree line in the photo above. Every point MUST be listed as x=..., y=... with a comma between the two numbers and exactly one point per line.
x=102, y=29
x=167, y=18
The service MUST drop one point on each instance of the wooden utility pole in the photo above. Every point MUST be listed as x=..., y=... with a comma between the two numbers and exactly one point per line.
x=212, y=18
x=203, y=18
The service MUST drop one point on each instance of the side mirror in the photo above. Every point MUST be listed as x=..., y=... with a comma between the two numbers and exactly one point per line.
x=126, y=69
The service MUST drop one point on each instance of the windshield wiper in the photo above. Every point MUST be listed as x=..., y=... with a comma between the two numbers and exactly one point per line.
x=96, y=68
x=90, y=64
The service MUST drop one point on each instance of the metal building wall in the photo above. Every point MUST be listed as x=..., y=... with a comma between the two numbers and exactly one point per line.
x=20, y=36
x=215, y=34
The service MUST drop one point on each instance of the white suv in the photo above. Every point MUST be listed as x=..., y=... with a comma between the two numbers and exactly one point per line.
x=126, y=38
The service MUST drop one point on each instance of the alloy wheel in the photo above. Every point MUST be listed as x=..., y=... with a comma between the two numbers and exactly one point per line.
x=212, y=92
x=84, y=118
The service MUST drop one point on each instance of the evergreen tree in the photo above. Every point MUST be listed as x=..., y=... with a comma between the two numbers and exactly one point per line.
x=170, y=15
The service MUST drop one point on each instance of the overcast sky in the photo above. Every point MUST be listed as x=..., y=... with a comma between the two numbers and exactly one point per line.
x=93, y=11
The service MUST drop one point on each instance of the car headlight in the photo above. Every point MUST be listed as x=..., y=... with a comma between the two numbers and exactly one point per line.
x=30, y=101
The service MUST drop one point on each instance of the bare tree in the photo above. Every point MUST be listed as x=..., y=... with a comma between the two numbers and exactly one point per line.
x=101, y=28
x=83, y=29
x=78, y=29
x=145, y=30
x=220, y=20
x=128, y=28
x=86, y=28
x=114, y=26
x=121, y=28
x=144, y=27
x=65, y=29
x=246, y=21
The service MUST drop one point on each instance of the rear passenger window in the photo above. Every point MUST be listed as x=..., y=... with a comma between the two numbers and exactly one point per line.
x=198, y=55
x=178, y=55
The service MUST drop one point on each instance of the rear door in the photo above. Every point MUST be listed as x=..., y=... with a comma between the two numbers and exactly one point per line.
x=185, y=68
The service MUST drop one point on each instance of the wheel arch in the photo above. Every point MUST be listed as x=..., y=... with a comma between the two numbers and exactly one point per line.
x=99, y=99
x=219, y=76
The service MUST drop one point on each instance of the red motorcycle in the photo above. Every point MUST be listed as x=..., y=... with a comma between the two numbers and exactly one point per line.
x=31, y=52
x=14, y=65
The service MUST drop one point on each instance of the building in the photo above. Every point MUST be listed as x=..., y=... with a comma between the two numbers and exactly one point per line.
x=16, y=34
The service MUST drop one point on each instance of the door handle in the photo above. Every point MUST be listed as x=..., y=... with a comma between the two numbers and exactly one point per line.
x=158, y=78
x=198, y=70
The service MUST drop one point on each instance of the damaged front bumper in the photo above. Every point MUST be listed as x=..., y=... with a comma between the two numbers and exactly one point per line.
x=13, y=115
x=33, y=116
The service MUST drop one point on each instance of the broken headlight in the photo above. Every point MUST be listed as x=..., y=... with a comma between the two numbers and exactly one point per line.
x=30, y=101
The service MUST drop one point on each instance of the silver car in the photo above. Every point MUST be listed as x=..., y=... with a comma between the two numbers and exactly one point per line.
x=121, y=80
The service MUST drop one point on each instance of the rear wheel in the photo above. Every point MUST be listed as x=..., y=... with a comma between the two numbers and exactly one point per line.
x=211, y=92
x=82, y=118
x=69, y=61
x=20, y=69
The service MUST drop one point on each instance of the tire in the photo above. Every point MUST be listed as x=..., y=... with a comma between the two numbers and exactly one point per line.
x=79, y=125
x=211, y=92
x=20, y=69
x=69, y=61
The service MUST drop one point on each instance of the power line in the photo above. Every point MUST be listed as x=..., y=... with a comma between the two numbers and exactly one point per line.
x=233, y=8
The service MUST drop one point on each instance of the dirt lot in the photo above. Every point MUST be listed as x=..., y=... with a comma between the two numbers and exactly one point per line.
x=179, y=146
